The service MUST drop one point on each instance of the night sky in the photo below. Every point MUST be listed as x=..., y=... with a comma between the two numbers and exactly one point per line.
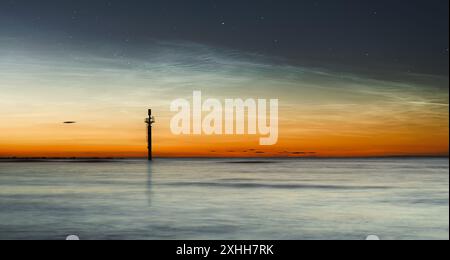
x=401, y=35
x=354, y=77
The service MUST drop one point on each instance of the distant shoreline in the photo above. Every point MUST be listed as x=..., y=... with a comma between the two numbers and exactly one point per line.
x=111, y=159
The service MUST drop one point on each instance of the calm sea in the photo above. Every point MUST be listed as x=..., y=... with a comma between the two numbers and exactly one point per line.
x=225, y=199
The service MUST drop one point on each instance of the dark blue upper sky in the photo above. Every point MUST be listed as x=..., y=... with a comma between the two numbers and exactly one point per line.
x=403, y=35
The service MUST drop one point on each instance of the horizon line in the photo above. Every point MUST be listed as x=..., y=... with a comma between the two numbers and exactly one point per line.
x=216, y=157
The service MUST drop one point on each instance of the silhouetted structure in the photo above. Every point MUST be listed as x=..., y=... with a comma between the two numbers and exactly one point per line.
x=149, y=121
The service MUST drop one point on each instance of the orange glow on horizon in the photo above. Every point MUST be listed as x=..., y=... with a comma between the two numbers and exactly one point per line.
x=129, y=142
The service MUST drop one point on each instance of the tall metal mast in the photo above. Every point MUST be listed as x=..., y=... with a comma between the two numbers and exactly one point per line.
x=149, y=121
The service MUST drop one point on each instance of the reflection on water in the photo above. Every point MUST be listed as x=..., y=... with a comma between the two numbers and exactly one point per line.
x=225, y=199
x=149, y=182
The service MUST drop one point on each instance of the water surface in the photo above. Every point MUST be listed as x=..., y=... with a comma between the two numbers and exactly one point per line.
x=225, y=199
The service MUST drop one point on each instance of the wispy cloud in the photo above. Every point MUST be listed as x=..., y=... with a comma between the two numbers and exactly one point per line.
x=47, y=82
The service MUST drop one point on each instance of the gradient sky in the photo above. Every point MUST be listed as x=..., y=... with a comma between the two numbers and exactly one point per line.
x=354, y=78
